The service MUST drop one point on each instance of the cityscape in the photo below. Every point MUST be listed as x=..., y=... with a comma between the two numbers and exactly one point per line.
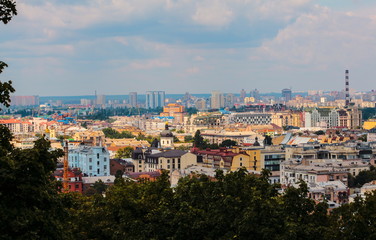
x=187, y=158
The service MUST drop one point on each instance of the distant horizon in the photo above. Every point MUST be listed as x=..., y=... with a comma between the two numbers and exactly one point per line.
x=208, y=93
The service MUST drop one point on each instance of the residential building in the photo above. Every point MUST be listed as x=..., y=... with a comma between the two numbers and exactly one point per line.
x=91, y=160
x=217, y=100
x=155, y=99
x=132, y=97
x=251, y=118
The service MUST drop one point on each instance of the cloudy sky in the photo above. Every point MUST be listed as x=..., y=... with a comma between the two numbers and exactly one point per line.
x=74, y=47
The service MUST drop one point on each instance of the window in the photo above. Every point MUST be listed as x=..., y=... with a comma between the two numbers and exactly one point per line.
x=105, y=167
x=168, y=166
x=77, y=186
x=241, y=159
x=98, y=170
x=178, y=160
x=105, y=159
x=98, y=163
x=98, y=155
x=90, y=168
x=168, y=160
x=90, y=159
x=173, y=160
x=241, y=164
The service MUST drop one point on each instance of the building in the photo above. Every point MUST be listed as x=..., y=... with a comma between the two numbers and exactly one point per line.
x=100, y=99
x=155, y=99
x=223, y=159
x=255, y=94
x=286, y=94
x=167, y=138
x=92, y=161
x=217, y=100
x=132, y=97
x=251, y=118
x=24, y=100
x=174, y=110
x=75, y=183
x=322, y=117
x=122, y=165
x=200, y=104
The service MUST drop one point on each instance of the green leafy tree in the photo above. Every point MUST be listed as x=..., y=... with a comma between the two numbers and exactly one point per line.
x=198, y=140
x=188, y=139
x=125, y=152
x=228, y=143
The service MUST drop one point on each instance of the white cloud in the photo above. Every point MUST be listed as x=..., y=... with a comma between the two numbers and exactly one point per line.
x=213, y=13
x=150, y=64
x=323, y=38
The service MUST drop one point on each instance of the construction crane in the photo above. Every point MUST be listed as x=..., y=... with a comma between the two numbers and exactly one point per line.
x=65, y=172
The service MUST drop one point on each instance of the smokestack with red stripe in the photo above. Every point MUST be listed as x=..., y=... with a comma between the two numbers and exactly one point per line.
x=347, y=90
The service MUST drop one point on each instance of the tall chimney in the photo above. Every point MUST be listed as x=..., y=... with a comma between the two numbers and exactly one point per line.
x=347, y=90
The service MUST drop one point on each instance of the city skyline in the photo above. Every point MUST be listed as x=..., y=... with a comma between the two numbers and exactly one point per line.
x=115, y=47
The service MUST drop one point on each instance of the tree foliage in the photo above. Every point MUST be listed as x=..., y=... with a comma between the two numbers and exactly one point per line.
x=7, y=10
x=228, y=143
x=112, y=133
x=125, y=152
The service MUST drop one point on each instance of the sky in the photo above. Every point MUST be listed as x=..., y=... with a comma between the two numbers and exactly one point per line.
x=77, y=47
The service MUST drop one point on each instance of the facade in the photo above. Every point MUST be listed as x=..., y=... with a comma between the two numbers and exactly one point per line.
x=332, y=117
x=92, y=161
x=251, y=118
x=149, y=160
x=132, y=97
x=155, y=99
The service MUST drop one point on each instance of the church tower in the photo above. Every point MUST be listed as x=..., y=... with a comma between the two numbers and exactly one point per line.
x=167, y=138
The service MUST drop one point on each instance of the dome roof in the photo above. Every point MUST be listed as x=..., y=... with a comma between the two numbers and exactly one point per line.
x=166, y=132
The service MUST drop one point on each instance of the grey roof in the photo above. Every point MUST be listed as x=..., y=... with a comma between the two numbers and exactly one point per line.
x=169, y=154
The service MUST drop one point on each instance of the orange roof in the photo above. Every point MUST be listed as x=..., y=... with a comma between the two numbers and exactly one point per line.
x=8, y=121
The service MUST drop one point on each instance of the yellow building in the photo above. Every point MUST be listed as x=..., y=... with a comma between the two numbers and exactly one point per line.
x=252, y=162
x=369, y=124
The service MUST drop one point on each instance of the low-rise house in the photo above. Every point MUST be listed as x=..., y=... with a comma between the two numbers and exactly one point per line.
x=75, y=183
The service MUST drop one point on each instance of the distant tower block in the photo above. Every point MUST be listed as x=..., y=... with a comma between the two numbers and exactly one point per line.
x=347, y=88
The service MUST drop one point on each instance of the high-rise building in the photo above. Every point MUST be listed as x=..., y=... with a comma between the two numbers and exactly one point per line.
x=286, y=94
x=101, y=99
x=132, y=99
x=229, y=100
x=155, y=99
x=255, y=94
x=217, y=100
x=242, y=95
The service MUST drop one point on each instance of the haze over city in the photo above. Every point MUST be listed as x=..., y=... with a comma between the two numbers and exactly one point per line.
x=76, y=47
